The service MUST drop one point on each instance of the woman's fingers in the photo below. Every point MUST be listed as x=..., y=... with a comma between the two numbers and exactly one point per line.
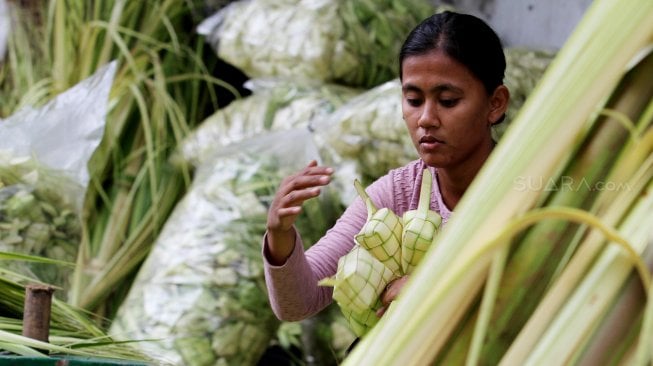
x=292, y=193
x=390, y=294
x=308, y=178
x=297, y=188
x=291, y=204
x=297, y=197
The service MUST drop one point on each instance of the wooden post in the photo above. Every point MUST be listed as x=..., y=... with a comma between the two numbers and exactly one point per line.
x=36, y=312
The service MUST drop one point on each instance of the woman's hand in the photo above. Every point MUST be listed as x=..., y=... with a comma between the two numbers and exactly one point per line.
x=390, y=293
x=287, y=204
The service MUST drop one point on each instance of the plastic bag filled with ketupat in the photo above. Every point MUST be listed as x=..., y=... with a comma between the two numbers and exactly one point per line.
x=44, y=154
x=274, y=104
x=203, y=282
x=348, y=42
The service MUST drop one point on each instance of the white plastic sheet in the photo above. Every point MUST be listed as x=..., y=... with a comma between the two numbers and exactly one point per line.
x=4, y=28
x=61, y=136
x=44, y=154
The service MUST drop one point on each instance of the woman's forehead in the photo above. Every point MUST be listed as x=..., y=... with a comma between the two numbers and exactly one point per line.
x=437, y=68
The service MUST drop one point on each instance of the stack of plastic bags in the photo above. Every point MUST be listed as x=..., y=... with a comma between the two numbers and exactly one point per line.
x=324, y=87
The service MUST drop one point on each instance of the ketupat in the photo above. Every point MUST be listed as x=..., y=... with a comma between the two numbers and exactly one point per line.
x=420, y=227
x=364, y=278
x=381, y=234
x=357, y=286
x=361, y=323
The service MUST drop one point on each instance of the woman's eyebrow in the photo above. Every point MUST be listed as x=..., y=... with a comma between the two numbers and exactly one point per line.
x=446, y=87
x=436, y=89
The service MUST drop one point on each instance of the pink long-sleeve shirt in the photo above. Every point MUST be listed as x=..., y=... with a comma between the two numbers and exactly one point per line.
x=292, y=287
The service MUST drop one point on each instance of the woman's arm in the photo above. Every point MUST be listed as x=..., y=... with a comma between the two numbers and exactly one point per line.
x=292, y=285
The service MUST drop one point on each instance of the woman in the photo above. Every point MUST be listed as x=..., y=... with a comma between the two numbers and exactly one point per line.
x=451, y=71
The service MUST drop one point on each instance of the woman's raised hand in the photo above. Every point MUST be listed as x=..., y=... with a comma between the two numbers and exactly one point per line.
x=287, y=205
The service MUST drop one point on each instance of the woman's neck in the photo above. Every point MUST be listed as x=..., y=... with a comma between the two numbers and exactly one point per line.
x=453, y=182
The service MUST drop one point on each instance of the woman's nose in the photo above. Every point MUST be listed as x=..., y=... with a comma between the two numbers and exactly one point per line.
x=429, y=116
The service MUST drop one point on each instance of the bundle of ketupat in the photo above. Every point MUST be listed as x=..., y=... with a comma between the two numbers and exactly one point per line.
x=277, y=104
x=349, y=42
x=204, y=263
x=524, y=69
x=387, y=247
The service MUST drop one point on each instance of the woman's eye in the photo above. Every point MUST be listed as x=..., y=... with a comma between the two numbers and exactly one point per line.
x=448, y=103
x=414, y=102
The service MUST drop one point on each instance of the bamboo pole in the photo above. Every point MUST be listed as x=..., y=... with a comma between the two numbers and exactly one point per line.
x=36, y=312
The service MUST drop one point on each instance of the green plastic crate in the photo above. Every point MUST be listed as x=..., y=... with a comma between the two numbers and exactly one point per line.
x=64, y=361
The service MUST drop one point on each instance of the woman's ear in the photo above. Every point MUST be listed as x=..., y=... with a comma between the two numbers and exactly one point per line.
x=498, y=104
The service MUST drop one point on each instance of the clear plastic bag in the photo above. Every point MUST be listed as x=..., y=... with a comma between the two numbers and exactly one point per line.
x=349, y=42
x=201, y=291
x=275, y=104
x=44, y=154
x=369, y=131
x=524, y=69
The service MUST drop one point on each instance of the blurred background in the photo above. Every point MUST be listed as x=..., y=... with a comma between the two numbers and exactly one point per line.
x=141, y=143
x=540, y=24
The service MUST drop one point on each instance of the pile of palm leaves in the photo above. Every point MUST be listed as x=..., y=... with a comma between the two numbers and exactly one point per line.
x=72, y=332
x=554, y=268
x=162, y=88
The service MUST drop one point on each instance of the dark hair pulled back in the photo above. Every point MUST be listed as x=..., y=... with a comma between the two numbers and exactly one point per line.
x=463, y=37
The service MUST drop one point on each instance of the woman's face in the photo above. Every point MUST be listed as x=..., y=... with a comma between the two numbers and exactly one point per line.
x=447, y=111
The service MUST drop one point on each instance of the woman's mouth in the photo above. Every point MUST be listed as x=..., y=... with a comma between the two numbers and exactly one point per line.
x=429, y=142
